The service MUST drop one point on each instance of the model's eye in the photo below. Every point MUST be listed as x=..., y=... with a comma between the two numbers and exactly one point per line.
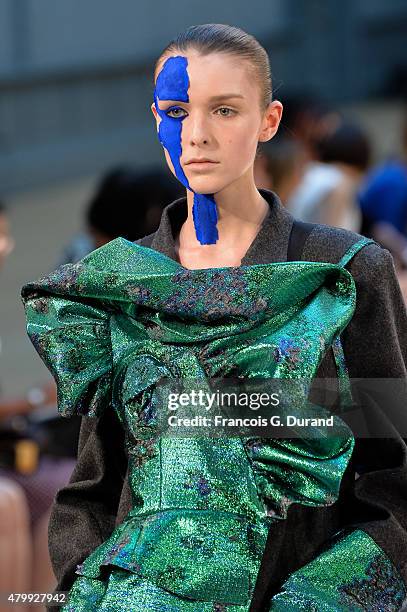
x=176, y=112
x=228, y=111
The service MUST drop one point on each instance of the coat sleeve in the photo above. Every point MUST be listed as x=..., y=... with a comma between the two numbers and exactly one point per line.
x=72, y=336
x=364, y=566
x=84, y=511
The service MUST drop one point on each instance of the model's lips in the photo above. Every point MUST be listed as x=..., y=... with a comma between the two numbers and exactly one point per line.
x=203, y=160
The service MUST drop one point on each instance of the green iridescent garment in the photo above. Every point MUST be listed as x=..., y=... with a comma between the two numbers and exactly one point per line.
x=109, y=328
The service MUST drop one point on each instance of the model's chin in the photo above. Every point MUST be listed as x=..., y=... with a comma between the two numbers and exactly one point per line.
x=205, y=185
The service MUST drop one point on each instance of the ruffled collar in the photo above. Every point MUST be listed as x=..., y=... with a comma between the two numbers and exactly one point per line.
x=125, y=276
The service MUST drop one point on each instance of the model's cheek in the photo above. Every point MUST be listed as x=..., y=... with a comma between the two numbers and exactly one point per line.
x=169, y=162
x=170, y=137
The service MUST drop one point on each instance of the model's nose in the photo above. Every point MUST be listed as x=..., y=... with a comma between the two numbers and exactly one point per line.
x=196, y=129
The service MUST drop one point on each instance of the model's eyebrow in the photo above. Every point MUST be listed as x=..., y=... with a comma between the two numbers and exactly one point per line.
x=214, y=98
x=225, y=97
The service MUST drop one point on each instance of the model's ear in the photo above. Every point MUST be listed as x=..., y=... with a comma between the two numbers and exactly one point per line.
x=156, y=115
x=154, y=110
x=271, y=121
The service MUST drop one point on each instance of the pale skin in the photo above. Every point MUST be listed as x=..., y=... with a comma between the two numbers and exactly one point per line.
x=225, y=130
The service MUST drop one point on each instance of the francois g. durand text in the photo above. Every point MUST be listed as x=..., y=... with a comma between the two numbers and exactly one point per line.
x=258, y=421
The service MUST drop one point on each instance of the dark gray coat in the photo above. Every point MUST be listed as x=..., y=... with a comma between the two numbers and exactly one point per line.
x=375, y=345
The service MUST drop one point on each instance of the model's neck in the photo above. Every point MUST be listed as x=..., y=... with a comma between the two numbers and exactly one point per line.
x=241, y=211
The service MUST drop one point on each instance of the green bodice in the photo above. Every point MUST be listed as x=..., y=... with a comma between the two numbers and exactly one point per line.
x=112, y=326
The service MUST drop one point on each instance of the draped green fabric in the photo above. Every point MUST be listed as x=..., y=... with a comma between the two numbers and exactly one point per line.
x=109, y=328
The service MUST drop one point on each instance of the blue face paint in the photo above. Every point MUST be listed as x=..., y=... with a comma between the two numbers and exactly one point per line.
x=172, y=84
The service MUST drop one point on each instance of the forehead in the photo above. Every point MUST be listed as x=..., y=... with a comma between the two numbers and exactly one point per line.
x=213, y=74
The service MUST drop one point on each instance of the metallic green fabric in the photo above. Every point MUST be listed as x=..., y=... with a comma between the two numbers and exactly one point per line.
x=109, y=329
x=353, y=574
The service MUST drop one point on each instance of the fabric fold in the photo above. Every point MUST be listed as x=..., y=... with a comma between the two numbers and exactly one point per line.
x=186, y=552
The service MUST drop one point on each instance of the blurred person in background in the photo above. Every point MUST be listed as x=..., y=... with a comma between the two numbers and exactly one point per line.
x=28, y=486
x=383, y=202
x=6, y=240
x=307, y=119
x=328, y=191
x=126, y=203
x=15, y=537
x=279, y=166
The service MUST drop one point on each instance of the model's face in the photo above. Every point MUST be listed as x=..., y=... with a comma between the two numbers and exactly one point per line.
x=215, y=114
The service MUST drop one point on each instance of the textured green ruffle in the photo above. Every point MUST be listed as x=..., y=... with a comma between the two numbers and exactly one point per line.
x=204, y=555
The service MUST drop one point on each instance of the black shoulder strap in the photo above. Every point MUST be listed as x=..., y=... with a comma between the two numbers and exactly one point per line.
x=299, y=233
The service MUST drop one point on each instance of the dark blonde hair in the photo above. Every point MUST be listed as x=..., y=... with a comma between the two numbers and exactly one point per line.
x=220, y=38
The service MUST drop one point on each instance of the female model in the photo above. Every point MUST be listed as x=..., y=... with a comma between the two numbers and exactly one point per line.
x=223, y=524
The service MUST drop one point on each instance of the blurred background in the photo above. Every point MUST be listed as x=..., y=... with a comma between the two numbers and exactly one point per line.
x=80, y=164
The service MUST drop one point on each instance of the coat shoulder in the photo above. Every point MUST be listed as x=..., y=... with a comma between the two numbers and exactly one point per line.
x=146, y=240
x=329, y=244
